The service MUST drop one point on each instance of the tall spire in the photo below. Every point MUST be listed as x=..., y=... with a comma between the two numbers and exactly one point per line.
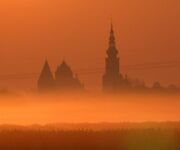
x=112, y=42
x=46, y=80
x=46, y=73
x=112, y=51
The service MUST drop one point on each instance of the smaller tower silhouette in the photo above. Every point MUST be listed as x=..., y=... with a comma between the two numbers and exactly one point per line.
x=65, y=80
x=46, y=81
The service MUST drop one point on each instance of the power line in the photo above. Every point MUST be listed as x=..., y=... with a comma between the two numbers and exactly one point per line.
x=154, y=63
x=90, y=71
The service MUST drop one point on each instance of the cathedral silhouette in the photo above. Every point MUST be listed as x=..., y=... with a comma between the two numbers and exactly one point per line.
x=64, y=78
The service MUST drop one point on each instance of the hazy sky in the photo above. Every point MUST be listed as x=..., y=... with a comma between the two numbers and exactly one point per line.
x=147, y=31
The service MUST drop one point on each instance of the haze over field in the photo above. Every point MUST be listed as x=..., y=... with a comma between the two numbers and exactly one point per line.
x=27, y=110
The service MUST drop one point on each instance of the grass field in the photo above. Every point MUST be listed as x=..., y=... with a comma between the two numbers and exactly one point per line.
x=117, y=139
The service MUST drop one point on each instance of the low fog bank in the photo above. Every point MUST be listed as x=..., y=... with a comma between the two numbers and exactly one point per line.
x=148, y=95
x=68, y=95
x=28, y=109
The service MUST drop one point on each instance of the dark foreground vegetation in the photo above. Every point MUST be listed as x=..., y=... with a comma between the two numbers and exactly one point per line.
x=124, y=139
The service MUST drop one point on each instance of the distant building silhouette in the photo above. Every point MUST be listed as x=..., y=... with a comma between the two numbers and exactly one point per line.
x=64, y=79
x=46, y=80
x=157, y=86
x=113, y=80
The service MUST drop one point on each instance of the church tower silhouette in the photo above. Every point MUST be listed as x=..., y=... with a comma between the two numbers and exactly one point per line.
x=113, y=79
x=46, y=80
x=65, y=79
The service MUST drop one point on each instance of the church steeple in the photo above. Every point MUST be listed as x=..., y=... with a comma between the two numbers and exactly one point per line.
x=112, y=75
x=46, y=73
x=112, y=51
x=112, y=42
x=46, y=80
x=113, y=80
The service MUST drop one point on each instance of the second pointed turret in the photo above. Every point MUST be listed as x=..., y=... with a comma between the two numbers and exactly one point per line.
x=46, y=80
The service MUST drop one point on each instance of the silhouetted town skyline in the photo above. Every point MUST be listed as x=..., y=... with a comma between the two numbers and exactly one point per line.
x=113, y=80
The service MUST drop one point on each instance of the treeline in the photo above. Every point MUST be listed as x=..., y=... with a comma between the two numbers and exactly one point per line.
x=125, y=139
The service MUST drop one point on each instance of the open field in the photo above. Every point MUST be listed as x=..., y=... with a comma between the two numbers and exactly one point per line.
x=133, y=138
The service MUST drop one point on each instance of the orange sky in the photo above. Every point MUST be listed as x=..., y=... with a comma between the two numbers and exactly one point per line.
x=30, y=30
